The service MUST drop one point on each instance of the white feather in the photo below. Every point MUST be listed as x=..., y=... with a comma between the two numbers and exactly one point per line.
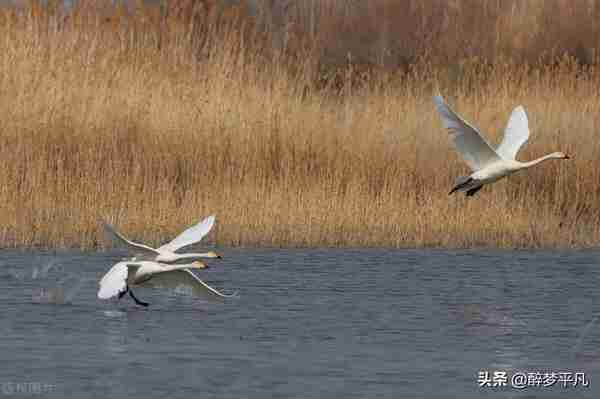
x=155, y=275
x=488, y=165
x=190, y=236
x=515, y=134
x=114, y=281
x=166, y=253
x=473, y=148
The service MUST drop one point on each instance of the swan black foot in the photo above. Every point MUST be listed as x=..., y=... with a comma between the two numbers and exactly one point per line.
x=123, y=292
x=462, y=183
x=472, y=191
x=137, y=300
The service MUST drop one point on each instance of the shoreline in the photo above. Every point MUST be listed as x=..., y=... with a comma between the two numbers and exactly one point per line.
x=114, y=250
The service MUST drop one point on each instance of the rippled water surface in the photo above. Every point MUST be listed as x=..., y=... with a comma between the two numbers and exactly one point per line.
x=307, y=324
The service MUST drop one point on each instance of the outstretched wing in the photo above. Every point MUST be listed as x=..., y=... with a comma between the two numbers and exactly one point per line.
x=185, y=277
x=140, y=251
x=190, y=236
x=515, y=134
x=114, y=282
x=473, y=148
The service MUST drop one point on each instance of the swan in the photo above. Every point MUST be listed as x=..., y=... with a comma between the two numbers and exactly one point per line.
x=488, y=165
x=126, y=274
x=166, y=253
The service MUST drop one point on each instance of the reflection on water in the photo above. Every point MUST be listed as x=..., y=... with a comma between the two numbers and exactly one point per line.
x=582, y=336
x=115, y=336
x=307, y=324
x=113, y=313
x=54, y=295
x=486, y=319
x=41, y=271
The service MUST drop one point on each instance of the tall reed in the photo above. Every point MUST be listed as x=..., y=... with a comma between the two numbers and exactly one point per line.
x=153, y=120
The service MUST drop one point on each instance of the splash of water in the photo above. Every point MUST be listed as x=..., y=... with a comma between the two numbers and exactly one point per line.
x=576, y=348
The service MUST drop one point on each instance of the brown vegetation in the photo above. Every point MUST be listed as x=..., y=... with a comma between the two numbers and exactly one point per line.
x=155, y=119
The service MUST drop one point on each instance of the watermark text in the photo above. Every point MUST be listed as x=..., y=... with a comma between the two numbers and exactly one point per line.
x=531, y=379
x=26, y=388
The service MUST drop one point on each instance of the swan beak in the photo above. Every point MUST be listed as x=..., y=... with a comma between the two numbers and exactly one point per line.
x=199, y=265
x=567, y=157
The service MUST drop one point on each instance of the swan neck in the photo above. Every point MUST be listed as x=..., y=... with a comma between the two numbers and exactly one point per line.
x=177, y=267
x=537, y=161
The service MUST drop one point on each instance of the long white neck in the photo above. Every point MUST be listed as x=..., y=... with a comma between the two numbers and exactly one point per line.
x=190, y=257
x=529, y=164
x=174, y=258
x=181, y=266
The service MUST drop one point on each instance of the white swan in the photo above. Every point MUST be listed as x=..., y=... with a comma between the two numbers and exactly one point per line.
x=487, y=164
x=118, y=280
x=166, y=253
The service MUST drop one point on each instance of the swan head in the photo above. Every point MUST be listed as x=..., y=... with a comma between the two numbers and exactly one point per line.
x=212, y=254
x=198, y=265
x=560, y=155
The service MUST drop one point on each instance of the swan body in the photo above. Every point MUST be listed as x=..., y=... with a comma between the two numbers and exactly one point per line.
x=167, y=252
x=126, y=274
x=488, y=165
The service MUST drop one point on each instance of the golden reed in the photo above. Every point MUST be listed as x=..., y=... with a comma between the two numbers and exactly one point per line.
x=155, y=121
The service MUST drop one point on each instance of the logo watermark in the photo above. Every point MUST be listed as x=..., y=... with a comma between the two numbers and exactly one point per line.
x=531, y=379
x=26, y=388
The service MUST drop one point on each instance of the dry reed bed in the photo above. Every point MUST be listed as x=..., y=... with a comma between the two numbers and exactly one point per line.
x=97, y=121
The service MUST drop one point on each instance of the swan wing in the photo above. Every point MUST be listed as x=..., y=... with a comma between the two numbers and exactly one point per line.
x=114, y=281
x=515, y=134
x=475, y=151
x=140, y=251
x=185, y=277
x=190, y=236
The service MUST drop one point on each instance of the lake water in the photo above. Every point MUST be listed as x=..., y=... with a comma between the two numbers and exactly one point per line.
x=307, y=324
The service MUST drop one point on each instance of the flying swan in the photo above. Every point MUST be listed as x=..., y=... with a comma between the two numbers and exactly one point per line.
x=126, y=274
x=488, y=165
x=166, y=253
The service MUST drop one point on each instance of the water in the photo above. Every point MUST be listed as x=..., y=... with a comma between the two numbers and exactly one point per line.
x=307, y=324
